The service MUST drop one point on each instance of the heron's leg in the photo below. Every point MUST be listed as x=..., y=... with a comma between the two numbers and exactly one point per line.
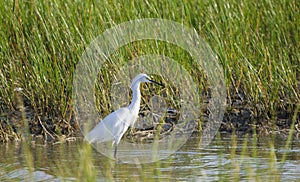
x=115, y=153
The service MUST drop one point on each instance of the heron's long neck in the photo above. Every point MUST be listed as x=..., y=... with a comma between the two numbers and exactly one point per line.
x=136, y=99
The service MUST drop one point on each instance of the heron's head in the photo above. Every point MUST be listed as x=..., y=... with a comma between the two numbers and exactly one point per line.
x=142, y=78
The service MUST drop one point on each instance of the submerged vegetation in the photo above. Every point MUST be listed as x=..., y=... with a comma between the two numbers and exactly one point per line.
x=257, y=44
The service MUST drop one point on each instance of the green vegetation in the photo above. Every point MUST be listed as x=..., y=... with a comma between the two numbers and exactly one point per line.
x=256, y=42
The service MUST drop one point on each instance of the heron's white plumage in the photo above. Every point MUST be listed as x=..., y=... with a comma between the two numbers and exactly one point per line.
x=112, y=127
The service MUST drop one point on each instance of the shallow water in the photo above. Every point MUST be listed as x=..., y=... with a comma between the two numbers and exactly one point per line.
x=219, y=161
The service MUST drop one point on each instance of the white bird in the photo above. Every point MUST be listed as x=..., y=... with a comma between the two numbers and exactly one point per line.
x=113, y=126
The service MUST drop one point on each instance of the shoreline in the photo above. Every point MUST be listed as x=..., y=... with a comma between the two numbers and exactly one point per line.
x=239, y=118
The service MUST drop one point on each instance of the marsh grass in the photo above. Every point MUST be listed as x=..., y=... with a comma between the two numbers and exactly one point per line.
x=256, y=42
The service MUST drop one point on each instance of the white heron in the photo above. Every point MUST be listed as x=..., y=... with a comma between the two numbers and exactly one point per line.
x=113, y=126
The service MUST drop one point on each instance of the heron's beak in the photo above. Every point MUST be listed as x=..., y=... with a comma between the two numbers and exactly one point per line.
x=152, y=81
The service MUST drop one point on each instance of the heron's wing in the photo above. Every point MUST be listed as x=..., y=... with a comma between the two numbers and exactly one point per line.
x=99, y=134
x=111, y=128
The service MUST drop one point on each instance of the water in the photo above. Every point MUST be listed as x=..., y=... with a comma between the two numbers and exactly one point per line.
x=219, y=161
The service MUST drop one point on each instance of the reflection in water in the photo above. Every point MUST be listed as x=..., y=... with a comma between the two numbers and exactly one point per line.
x=24, y=173
x=224, y=159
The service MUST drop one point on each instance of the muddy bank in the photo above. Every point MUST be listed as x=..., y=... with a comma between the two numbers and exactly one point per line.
x=241, y=116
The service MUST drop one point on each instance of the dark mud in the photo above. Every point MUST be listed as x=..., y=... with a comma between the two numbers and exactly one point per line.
x=241, y=116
